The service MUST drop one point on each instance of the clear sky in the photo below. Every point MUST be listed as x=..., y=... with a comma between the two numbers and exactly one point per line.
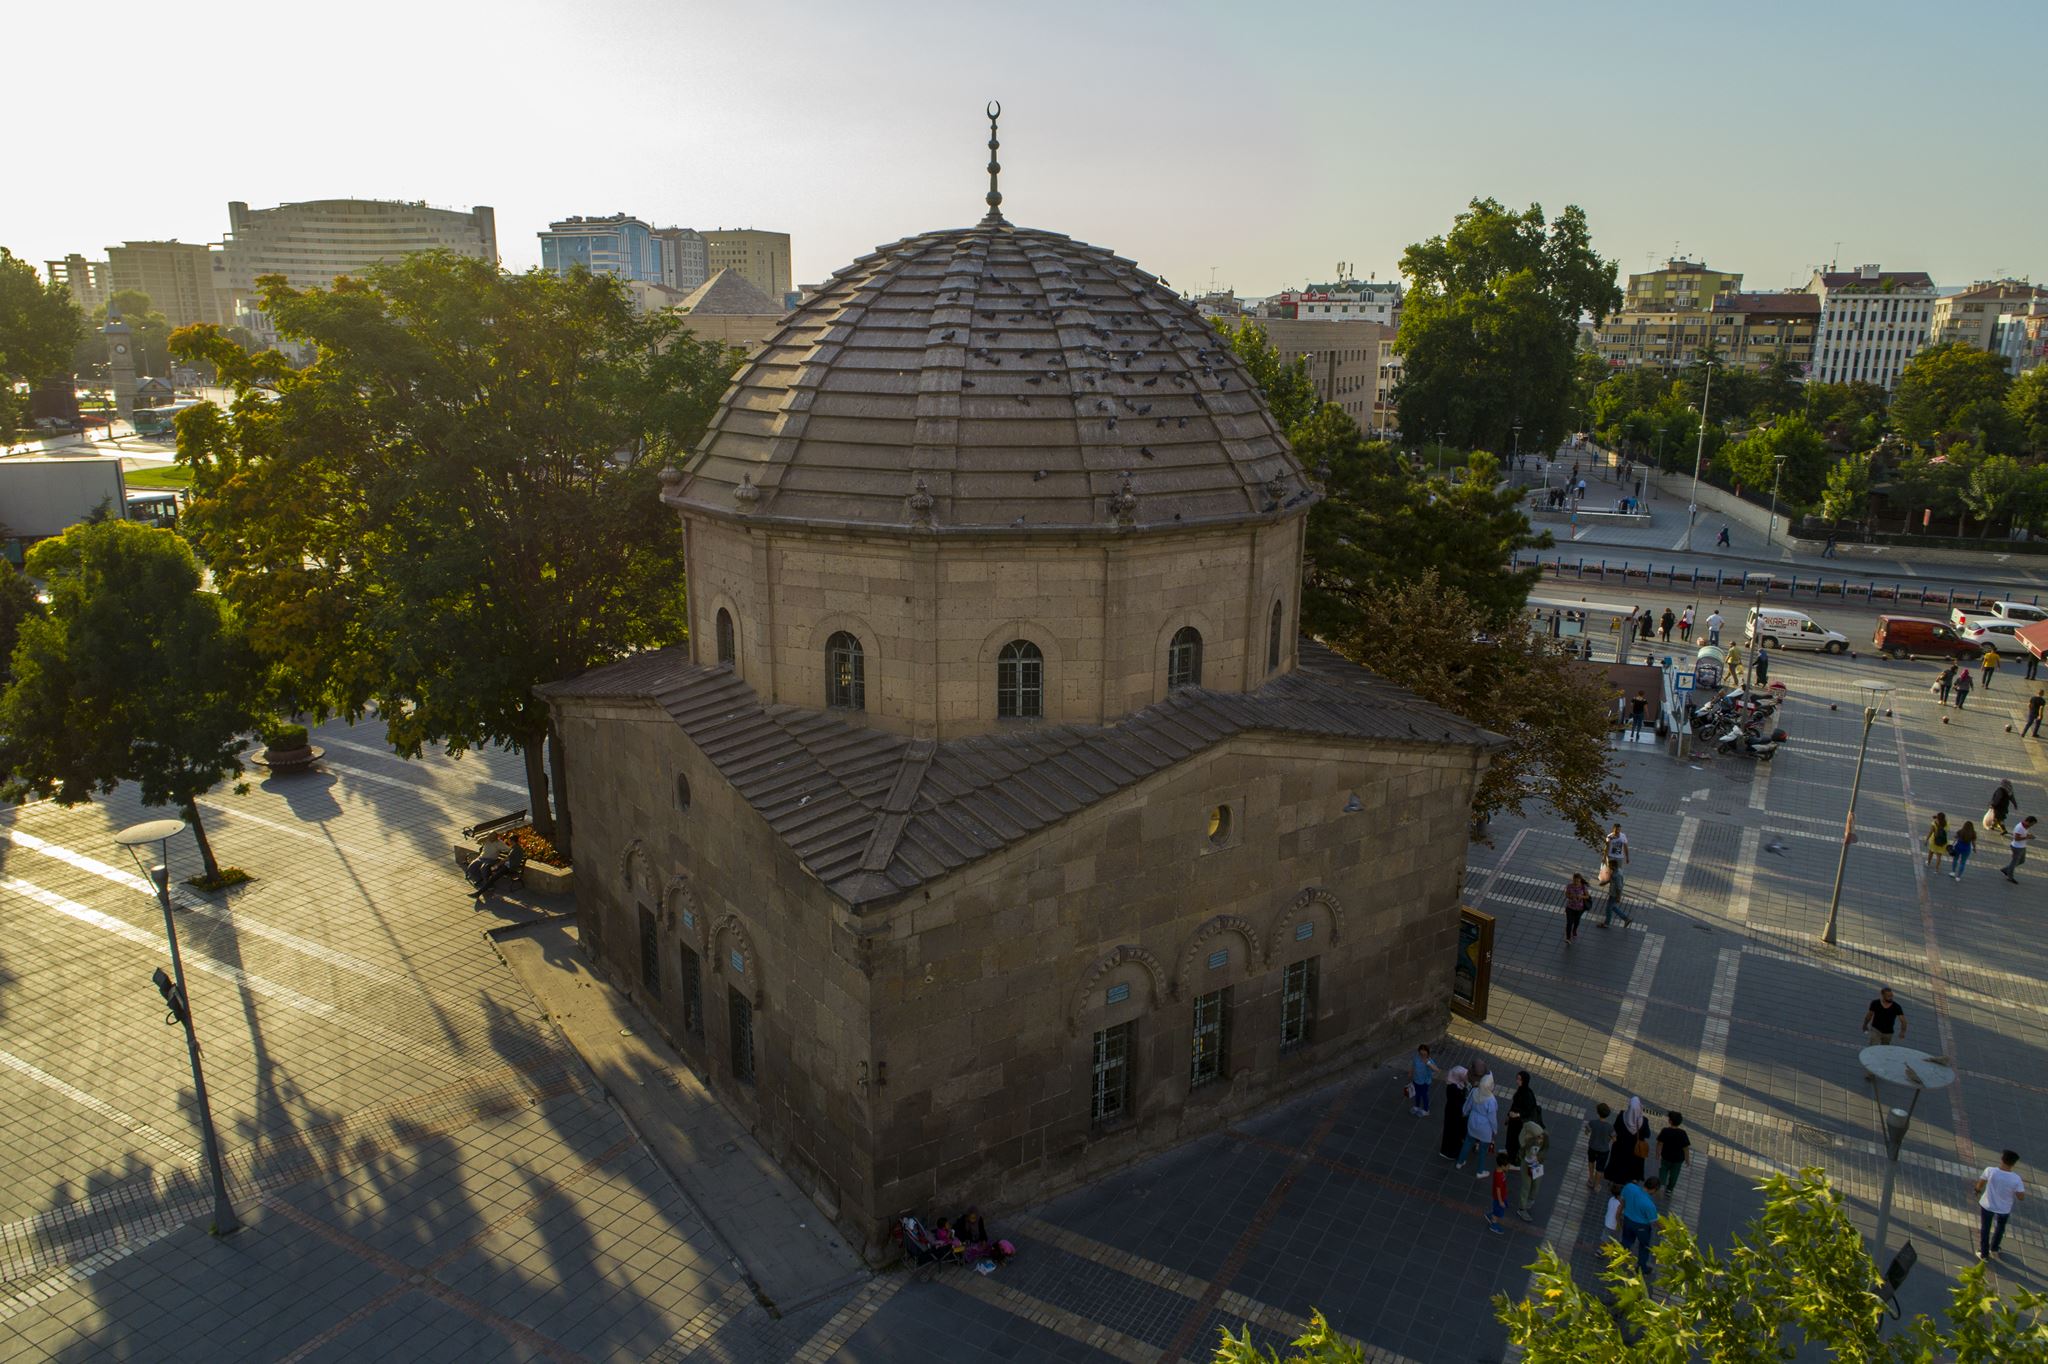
x=1263, y=141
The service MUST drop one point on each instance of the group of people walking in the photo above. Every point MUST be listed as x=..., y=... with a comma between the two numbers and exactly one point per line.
x=1958, y=844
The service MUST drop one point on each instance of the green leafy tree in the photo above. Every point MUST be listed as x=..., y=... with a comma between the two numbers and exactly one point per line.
x=1928, y=483
x=1798, y=1276
x=17, y=603
x=1943, y=383
x=1754, y=460
x=149, y=335
x=2026, y=406
x=1849, y=416
x=1489, y=330
x=1433, y=640
x=1290, y=393
x=1847, y=493
x=1993, y=488
x=458, y=501
x=39, y=326
x=1319, y=1344
x=133, y=674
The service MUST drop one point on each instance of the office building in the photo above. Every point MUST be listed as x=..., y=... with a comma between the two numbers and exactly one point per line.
x=313, y=243
x=619, y=246
x=86, y=279
x=177, y=276
x=685, y=260
x=1871, y=322
x=760, y=258
x=1343, y=360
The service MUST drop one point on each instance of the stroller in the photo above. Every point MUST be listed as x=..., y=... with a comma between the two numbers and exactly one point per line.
x=495, y=861
x=924, y=1254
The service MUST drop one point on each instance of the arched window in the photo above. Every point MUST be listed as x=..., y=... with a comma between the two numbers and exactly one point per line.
x=845, y=683
x=727, y=651
x=1184, y=659
x=1020, y=681
x=1278, y=623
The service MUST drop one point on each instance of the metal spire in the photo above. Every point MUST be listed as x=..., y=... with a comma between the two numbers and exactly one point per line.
x=995, y=196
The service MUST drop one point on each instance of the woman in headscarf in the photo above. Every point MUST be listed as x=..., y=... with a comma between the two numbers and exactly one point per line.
x=1482, y=1125
x=1521, y=1108
x=1631, y=1145
x=1454, y=1111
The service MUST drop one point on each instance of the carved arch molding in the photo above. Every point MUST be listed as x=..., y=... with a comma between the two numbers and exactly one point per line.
x=1117, y=956
x=1222, y=923
x=677, y=898
x=731, y=928
x=1284, y=922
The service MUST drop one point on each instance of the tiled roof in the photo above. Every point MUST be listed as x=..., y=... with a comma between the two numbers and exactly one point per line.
x=1011, y=379
x=1788, y=304
x=2003, y=289
x=873, y=815
x=728, y=293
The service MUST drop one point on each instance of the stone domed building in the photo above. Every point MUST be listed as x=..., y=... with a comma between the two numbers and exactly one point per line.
x=995, y=827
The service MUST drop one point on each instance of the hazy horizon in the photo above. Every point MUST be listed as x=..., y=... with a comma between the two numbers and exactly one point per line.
x=1263, y=146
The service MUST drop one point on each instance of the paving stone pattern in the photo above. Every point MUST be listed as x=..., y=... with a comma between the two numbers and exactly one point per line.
x=427, y=1171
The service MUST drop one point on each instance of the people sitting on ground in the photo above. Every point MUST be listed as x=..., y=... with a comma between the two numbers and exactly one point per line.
x=977, y=1242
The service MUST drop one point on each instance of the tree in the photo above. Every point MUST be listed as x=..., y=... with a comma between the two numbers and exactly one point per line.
x=1754, y=460
x=458, y=501
x=1932, y=484
x=1847, y=493
x=1319, y=1344
x=1489, y=330
x=133, y=674
x=1554, y=713
x=17, y=603
x=1943, y=382
x=1993, y=488
x=1290, y=393
x=39, y=325
x=149, y=334
x=1849, y=416
x=1799, y=1275
x=2026, y=404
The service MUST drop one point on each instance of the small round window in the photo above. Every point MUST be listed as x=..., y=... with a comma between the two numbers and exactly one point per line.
x=1219, y=825
x=682, y=792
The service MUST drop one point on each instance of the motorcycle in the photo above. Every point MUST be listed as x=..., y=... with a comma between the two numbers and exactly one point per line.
x=1749, y=744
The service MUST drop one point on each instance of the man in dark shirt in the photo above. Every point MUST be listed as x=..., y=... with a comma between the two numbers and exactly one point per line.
x=2033, y=722
x=1671, y=1146
x=1884, y=1022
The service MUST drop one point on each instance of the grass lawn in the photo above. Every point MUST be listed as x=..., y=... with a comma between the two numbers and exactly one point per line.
x=169, y=476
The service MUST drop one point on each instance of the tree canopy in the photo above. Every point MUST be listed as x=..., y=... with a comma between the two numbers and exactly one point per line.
x=1755, y=460
x=149, y=334
x=1490, y=326
x=132, y=674
x=1799, y=1274
x=39, y=325
x=1948, y=387
x=457, y=501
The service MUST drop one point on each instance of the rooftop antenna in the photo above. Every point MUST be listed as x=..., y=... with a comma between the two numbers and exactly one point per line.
x=995, y=167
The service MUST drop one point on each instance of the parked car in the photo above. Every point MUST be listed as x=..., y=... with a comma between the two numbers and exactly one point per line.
x=1784, y=629
x=1906, y=636
x=1990, y=630
x=2018, y=612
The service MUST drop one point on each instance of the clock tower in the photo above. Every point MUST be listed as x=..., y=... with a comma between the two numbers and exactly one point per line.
x=121, y=362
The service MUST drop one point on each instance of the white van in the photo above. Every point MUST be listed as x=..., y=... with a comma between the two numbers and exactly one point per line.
x=1779, y=628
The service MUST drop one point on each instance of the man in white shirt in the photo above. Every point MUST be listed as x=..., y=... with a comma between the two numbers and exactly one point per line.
x=1714, y=628
x=2022, y=834
x=1617, y=845
x=1998, y=1188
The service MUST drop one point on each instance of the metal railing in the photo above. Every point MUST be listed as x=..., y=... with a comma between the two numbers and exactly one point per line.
x=1791, y=586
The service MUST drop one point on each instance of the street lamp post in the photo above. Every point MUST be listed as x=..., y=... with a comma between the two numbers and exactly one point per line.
x=1902, y=1069
x=1848, y=829
x=135, y=838
x=1518, y=443
x=1778, y=473
x=1692, y=512
x=1439, y=452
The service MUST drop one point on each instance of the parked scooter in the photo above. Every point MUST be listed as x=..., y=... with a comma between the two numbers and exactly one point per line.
x=1750, y=744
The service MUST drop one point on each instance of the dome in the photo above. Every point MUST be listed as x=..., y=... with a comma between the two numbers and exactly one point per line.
x=993, y=378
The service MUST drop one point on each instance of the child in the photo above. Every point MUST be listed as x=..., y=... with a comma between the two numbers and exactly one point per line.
x=1500, y=1195
x=1423, y=1069
x=1599, y=1141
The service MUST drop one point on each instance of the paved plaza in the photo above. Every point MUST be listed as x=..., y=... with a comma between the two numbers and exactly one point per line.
x=434, y=1161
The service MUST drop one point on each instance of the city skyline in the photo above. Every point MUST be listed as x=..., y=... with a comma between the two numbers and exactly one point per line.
x=1196, y=139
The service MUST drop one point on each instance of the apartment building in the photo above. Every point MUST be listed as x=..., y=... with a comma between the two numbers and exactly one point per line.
x=2021, y=336
x=1386, y=418
x=1346, y=300
x=1872, y=321
x=1972, y=315
x=86, y=279
x=1666, y=315
x=1756, y=331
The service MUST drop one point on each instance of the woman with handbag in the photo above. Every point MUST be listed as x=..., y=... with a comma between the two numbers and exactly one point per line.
x=1625, y=1160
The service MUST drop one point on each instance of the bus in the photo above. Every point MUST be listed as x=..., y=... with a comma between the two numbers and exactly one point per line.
x=161, y=421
